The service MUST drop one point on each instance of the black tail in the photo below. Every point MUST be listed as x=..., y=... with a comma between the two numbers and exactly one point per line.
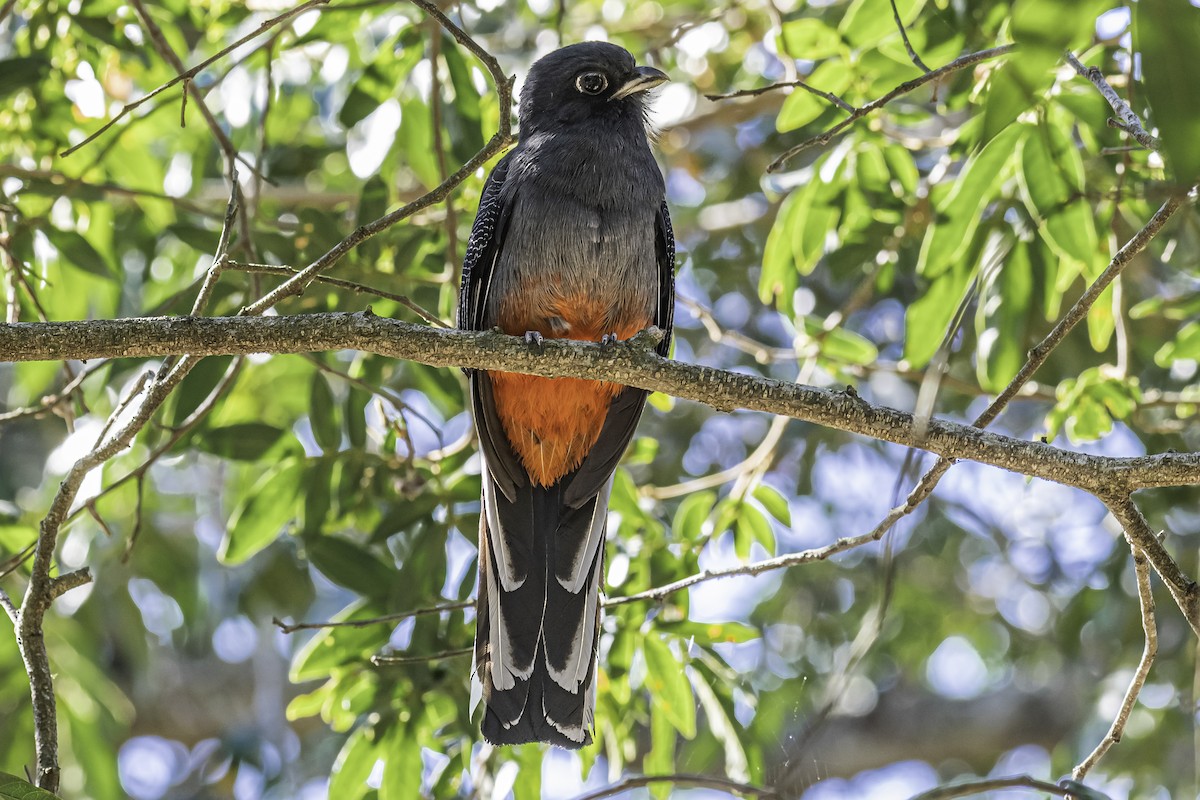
x=538, y=613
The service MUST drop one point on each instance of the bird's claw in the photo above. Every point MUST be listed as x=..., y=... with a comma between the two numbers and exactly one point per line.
x=609, y=340
x=535, y=340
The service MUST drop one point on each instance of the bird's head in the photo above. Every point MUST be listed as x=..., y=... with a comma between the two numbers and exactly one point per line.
x=591, y=80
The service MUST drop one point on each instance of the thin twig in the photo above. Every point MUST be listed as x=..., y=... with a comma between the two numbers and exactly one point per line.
x=341, y=283
x=1141, y=569
x=186, y=75
x=830, y=96
x=499, y=141
x=912, y=54
x=6, y=9
x=365, y=623
x=989, y=785
x=681, y=780
x=388, y=660
x=1129, y=121
x=969, y=60
x=189, y=87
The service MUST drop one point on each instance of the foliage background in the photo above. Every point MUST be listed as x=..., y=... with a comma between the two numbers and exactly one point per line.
x=994, y=633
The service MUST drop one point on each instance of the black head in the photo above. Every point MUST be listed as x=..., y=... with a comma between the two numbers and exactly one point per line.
x=585, y=81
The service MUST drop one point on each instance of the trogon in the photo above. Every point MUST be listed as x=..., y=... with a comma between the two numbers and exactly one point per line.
x=572, y=240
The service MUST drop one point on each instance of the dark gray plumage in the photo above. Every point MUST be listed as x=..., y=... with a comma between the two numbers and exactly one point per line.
x=572, y=240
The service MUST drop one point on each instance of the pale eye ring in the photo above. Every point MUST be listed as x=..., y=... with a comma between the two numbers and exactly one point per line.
x=591, y=82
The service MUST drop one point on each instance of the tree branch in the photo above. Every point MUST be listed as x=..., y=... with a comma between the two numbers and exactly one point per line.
x=632, y=363
x=1141, y=569
x=991, y=784
x=698, y=781
x=188, y=74
x=1129, y=121
x=969, y=60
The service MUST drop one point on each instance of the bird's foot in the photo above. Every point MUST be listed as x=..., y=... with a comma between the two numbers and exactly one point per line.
x=535, y=340
x=609, y=340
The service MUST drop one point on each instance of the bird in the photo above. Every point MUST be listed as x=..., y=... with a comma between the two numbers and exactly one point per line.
x=572, y=240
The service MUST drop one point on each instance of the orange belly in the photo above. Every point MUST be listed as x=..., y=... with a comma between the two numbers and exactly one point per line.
x=552, y=423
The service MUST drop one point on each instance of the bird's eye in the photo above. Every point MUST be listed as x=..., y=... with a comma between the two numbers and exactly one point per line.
x=591, y=83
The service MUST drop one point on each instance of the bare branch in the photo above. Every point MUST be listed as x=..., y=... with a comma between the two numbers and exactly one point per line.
x=365, y=623
x=389, y=660
x=188, y=74
x=969, y=60
x=681, y=780
x=171, y=57
x=1129, y=121
x=502, y=139
x=1141, y=569
x=361, y=288
x=632, y=363
x=912, y=54
x=991, y=784
x=829, y=96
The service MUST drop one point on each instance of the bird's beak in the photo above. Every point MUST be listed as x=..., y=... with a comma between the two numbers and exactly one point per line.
x=644, y=78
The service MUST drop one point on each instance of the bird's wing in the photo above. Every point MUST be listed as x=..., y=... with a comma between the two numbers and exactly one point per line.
x=626, y=408
x=483, y=249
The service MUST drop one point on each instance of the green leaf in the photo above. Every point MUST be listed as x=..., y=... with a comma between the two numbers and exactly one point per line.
x=926, y=320
x=322, y=414
x=1185, y=345
x=778, y=280
x=354, y=764
x=774, y=502
x=1000, y=320
x=668, y=685
x=334, y=647
x=1051, y=182
x=356, y=415
x=839, y=344
x=196, y=386
x=78, y=252
x=960, y=211
x=752, y=526
x=12, y=787
x=245, y=441
x=1165, y=34
x=402, y=766
x=660, y=760
x=688, y=524
x=348, y=564
x=23, y=72
x=260, y=516
x=802, y=106
x=810, y=38
x=865, y=22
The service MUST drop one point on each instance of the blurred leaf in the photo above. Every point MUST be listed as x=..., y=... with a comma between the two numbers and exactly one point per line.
x=322, y=414
x=354, y=764
x=802, y=106
x=1185, y=345
x=668, y=686
x=1000, y=320
x=1050, y=175
x=926, y=320
x=810, y=38
x=260, y=516
x=23, y=72
x=774, y=502
x=1165, y=35
x=246, y=441
x=335, y=646
x=960, y=211
x=348, y=564
x=687, y=526
x=79, y=252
